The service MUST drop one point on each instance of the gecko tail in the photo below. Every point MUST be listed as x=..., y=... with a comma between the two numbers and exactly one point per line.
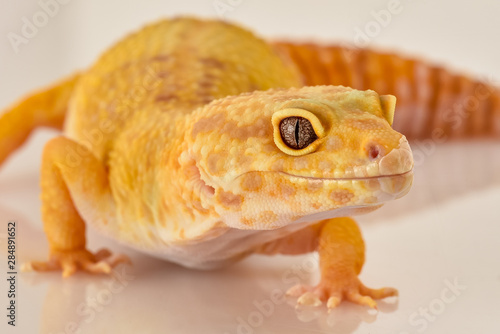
x=432, y=102
x=45, y=108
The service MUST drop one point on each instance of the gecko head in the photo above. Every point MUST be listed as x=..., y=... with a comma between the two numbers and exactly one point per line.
x=268, y=159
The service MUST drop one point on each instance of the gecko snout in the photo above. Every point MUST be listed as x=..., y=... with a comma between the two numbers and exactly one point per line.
x=397, y=161
x=390, y=160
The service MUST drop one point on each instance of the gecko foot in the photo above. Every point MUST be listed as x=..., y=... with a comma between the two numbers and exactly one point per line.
x=334, y=291
x=69, y=262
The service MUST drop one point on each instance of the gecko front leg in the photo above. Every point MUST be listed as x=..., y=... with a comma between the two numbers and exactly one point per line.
x=72, y=179
x=341, y=256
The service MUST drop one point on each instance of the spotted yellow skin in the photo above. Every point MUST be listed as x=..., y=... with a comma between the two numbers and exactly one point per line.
x=172, y=146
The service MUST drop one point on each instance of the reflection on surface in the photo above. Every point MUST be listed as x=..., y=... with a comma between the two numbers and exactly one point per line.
x=444, y=172
x=154, y=297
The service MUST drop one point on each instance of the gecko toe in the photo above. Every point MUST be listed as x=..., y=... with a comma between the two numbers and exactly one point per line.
x=378, y=293
x=40, y=266
x=333, y=302
x=357, y=298
x=298, y=290
x=309, y=299
x=102, y=254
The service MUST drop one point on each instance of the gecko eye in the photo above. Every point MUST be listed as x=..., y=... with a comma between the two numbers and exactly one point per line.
x=297, y=132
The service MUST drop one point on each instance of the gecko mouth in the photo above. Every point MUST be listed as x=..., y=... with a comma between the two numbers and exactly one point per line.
x=376, y=177
x=384, y=187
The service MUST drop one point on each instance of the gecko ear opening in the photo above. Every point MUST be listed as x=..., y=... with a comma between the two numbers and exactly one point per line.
x=388, y=105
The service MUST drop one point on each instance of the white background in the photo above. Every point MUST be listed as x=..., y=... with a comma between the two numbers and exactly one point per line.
x=446, y=230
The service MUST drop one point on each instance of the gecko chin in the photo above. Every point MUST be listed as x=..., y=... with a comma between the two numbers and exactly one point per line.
x=382, y=188
x=271, y=200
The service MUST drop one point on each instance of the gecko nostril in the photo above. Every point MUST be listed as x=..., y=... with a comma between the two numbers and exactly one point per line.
x=374, y=152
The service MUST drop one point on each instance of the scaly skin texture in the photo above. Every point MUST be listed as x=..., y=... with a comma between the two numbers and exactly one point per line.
x=173, y=146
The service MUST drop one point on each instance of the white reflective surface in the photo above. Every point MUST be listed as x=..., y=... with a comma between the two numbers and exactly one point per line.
x=439, y=245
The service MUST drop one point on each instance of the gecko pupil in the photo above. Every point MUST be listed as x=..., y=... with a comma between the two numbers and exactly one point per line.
x=297, y=132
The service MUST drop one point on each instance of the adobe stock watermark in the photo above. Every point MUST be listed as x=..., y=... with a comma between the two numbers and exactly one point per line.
x=222, y=7
x=96, y=303
x=32, y=24
x=265, y=308
x=381, y=19
x=454, y=117
x=429, y=313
